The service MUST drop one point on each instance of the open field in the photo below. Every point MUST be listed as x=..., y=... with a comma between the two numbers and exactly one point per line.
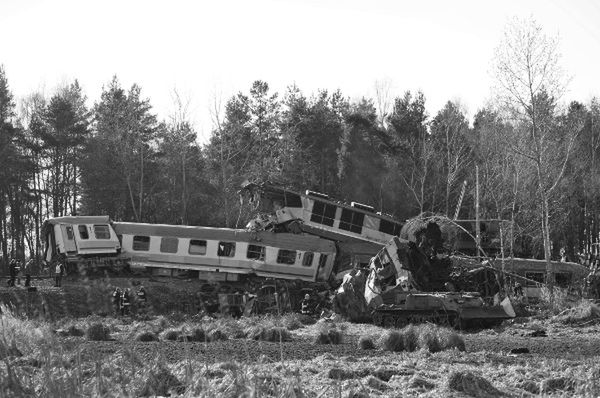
x=281, y=357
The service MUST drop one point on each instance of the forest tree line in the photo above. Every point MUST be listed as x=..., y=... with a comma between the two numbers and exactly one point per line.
x=537, y=159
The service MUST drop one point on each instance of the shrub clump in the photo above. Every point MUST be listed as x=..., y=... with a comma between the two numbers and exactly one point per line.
x=329, y=335
x=272, y=333
x=216, y=335
x=97, y=332
x=430, y=337
x=75, y=331
x=146, y=336
x=392, y=340
x=366, y=343
x=170, y=334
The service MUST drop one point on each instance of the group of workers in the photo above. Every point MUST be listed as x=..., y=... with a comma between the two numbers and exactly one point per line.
x=122, y=300
x=15, y=268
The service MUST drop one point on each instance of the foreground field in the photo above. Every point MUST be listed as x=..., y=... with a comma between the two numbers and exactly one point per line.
x=291, y=356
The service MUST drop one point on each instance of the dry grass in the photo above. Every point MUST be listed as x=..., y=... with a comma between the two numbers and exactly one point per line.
x=427, y=336
x=55, y=370
x=328, y=333
x=98, y=332
x=146, y=336
x=366, y=343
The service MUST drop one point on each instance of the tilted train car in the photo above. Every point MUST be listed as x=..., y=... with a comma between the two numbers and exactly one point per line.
x=216, y=253
x=323, y=216
x=228, y=252
x=79, y=240
x=566, y=274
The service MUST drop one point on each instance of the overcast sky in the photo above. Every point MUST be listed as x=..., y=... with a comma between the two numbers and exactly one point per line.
x=198, y=47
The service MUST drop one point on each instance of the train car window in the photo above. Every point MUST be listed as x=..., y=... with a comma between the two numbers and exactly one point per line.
x=169, y=245
x=141, y=243
x=226, y=249
x=197, y=247
x=534, y=276
x=308, y=259
x=323, y=260
x=292, y=200
x=69, y=232
x=286, y=257
x=256, y=252
x=101, y=231
x=562, y=279
x=83, y=232
x=352, y=221
x=389, y=227
x=323, y=213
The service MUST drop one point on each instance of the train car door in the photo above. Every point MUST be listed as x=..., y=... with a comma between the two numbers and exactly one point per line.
x=69, y=238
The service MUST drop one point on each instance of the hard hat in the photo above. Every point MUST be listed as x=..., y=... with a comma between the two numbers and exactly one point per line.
x=306, y=296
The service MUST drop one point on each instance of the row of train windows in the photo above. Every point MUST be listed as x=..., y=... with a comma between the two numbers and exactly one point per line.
x=324, y=213
x=225, y=249
x=100, y=232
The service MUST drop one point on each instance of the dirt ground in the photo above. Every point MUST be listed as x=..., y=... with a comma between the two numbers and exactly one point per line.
x=559, y=360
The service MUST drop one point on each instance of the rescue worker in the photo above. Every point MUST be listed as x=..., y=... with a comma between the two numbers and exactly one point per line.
x=58, y=272
x=12, y=269
x=116, y=300
x=141, y=300
x=306, y=304
x=141, y=295
x=27, y=272
x=518, y=289
x=126, y=302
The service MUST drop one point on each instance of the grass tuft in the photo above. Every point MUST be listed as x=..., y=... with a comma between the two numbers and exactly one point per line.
x=97, y=332
x=146, y=336
x=366, y=343
x=170, y=334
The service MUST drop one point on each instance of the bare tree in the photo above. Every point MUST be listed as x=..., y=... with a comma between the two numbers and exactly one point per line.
x=530, y=81
x=383, y=100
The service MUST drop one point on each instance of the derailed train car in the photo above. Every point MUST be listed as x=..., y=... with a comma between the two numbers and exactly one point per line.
x=81, y=241
x=231, y=253
x=214, y=253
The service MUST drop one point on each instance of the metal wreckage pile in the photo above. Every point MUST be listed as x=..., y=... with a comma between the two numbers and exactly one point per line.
x=387, y=288
x=413, y=279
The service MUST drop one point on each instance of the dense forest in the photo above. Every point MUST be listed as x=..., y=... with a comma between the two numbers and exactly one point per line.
x=537, y=157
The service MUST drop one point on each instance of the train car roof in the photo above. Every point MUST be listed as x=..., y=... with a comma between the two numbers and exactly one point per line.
x=282, y=240
x=534, y=265
x=274, y=189
x=78, y=220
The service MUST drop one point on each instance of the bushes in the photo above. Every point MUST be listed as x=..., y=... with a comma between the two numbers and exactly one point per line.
x=366, y=343
x=146, y=336
x=75, y=331
x=268, y=333
x=430, y=337
x=170, y=334
x=329, y=334
x=97, y=332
